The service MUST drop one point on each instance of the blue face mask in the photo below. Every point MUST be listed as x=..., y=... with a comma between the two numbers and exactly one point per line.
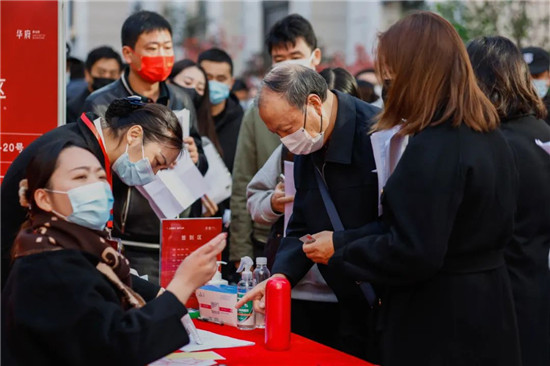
x=541, y=87
x=134, y=174
x=218, y=92
x=91, y=204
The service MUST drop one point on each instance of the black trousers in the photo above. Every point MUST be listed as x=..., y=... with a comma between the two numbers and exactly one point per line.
x=316, y=320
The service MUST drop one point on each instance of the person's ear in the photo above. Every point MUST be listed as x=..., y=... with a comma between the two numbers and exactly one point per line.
x=134, y=135
x=88, y=77
x=315, y=101
x=127, y=54
x=231, y=82
x=43, y=200
x=316, y=57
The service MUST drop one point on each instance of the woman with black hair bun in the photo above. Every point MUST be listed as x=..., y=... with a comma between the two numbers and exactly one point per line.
x=504, y=77
x=69, y=297
x=135, y=140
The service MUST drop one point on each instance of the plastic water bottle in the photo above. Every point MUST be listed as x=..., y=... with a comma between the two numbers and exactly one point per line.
x=261, y=273
x=245, y=314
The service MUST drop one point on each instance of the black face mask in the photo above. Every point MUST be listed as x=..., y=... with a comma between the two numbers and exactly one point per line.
x=99, y=83
x=385, y=87
x=192, y=92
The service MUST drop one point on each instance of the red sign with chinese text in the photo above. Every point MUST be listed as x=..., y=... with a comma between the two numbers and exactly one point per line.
x=28, y=74
x=179, y=238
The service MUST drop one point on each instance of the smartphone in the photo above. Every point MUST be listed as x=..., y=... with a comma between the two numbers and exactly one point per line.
x=307, y=239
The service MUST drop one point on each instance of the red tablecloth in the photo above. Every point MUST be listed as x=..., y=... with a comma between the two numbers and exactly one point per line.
x=302, y=352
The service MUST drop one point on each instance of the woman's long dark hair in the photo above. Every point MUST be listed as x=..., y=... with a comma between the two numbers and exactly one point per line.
x=203, y=107
x=504, y=77
x=341, y=80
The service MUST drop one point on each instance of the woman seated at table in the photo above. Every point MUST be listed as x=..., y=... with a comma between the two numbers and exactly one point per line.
x=68, y=298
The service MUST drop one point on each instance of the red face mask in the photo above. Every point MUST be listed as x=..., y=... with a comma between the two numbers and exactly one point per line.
x=154, y=68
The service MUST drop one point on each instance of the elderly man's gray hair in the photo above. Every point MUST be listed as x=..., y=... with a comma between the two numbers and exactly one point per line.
x=294, y=82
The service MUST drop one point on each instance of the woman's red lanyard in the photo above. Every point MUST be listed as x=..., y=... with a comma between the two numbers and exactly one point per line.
x=94, y=130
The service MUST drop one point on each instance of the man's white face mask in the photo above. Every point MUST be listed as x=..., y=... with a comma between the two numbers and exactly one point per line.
x=300, y=142
x=301, y=61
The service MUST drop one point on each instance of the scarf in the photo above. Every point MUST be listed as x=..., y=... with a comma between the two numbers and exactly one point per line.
x=48, y=232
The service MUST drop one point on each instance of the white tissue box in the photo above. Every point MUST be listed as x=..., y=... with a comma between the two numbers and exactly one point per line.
x=217, y=303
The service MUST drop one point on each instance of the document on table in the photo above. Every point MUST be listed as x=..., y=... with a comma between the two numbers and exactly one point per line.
x=189, y=359
x=212, y=341
x=290, y=190
x=543, y=145
x=387, y=148
x=217, y=177
x=174, y=190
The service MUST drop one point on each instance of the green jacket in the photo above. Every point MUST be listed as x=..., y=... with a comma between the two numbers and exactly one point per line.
x=254, y=146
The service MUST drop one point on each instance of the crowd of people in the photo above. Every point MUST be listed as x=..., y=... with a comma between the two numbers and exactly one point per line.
x=422, y=181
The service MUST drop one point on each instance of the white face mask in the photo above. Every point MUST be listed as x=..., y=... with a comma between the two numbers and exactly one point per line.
x=541, y=86
x=139, y=173
x=301, y=142
x=91, y=203
x=301, y=61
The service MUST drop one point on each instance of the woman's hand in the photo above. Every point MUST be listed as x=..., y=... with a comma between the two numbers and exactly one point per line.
x=197, y=269
x=192, y=148
x=257, y=294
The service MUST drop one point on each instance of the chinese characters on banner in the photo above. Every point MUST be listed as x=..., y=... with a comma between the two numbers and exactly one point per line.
x=28, y=74
x=179, y=238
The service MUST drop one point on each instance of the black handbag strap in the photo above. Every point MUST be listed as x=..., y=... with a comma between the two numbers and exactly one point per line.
x=329, y=205
x=337, y=225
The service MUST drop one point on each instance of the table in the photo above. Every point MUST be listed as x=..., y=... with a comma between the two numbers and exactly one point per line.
x=302, y=352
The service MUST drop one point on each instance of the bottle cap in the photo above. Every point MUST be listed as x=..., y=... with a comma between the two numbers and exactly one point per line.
x=261, y=260
x=246, y=264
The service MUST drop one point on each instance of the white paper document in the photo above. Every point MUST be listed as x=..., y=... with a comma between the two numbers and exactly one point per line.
x=183, y=361
x=387, y=147
x=218, y=178
x=183, y=117
x=543, y=145
x=290, y=190
x=174, y=190
x=189, y=359
x=212, y=340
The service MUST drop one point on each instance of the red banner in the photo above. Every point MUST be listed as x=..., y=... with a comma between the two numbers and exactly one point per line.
x=28, y=74
x=179, y=238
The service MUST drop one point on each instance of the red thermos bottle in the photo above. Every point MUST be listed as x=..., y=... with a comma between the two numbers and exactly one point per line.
x=277, y=317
